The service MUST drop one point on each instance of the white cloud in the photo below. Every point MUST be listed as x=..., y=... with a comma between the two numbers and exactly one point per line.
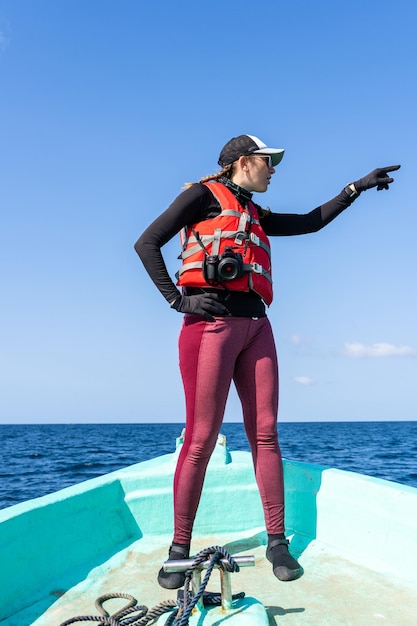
x=377, y=350
x=298, y=340
x=303, y=380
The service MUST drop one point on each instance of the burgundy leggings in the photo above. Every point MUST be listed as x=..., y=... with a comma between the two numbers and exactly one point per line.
x=212, y=354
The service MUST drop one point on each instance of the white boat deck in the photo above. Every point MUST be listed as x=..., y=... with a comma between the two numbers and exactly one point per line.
x=332, y=590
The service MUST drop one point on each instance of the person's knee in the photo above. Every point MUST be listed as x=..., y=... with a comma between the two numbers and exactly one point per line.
x=200, y=451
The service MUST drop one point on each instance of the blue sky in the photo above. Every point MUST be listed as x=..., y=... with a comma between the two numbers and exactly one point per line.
x=107, y=107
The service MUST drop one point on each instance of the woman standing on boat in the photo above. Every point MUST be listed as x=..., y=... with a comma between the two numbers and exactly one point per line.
x=226, y=285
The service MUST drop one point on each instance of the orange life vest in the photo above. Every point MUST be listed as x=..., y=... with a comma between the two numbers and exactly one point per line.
x=235, y=227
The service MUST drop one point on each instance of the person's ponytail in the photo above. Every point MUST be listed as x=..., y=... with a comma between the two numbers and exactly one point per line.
x=226, y=171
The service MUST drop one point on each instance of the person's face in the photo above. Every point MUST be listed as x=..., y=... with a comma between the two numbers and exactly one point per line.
x=256, y=172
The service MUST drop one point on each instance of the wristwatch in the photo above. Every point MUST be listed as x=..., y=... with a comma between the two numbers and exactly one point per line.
x=351, y=190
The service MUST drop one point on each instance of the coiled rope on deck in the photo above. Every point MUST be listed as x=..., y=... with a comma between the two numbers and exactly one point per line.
x=133, y=614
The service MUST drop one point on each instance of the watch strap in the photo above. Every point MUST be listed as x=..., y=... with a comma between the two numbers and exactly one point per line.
x=351, y=190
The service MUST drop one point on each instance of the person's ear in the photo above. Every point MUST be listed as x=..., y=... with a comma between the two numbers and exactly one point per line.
x=243, y=163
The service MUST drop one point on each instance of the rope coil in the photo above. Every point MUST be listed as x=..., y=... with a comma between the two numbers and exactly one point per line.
x=133, y=614
x=124, y=616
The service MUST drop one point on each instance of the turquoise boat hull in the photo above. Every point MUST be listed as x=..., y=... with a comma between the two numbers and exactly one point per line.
x=355, y=536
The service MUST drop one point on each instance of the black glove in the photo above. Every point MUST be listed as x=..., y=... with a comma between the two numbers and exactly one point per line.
x=204, y=304
x=378, y=178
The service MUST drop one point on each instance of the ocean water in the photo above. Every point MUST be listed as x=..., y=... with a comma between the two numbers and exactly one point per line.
x=40, y=459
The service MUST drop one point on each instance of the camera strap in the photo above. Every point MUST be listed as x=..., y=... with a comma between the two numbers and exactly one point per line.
x=215, y=248
x=200, y=243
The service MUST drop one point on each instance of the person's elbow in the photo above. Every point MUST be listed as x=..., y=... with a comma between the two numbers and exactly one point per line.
x=139, y=246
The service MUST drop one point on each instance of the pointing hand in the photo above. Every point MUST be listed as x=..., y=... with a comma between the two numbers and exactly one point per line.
x=377, y=178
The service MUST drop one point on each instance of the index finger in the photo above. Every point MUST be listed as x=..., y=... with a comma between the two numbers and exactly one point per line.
x=391, y=168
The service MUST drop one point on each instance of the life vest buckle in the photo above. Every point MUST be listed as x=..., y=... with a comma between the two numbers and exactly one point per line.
x=240, y=238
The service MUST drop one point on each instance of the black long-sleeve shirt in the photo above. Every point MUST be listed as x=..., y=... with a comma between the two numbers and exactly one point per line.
x=197, y=203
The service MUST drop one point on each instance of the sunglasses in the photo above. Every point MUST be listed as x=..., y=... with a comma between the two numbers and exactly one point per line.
x=266, y=158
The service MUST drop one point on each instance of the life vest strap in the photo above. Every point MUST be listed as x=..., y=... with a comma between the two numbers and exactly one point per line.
x=216, y=242
x=256, y=268
x=189, y=266
x=258, y=242
x=206, y=240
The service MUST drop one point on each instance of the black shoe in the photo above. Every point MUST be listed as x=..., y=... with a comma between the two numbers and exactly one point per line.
x=284, y=566
x=174, y=580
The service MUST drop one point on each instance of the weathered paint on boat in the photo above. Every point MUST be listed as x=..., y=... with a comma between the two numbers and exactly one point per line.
x=355, y=536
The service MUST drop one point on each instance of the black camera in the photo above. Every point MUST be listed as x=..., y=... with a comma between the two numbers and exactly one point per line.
x=223, y=267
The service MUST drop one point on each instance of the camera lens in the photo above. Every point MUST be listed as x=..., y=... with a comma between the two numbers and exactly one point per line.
x=228, y=269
